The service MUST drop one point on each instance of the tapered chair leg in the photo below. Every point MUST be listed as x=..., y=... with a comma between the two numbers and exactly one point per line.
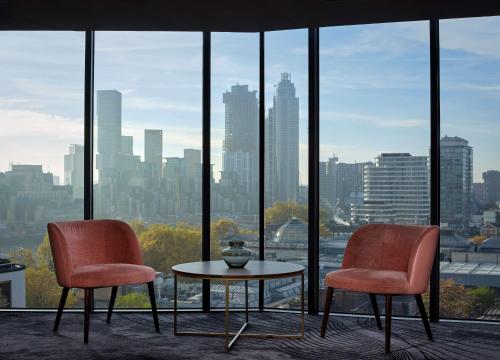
x=152, y=298
x=423, y=315
x=326, y=312
x=388, y=315
x=62, y=302
x=88, y=307
x=373, y=300
x=112, y=299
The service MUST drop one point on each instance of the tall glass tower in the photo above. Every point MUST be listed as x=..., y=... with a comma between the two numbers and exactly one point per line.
x=456, y=182
x=283, y=123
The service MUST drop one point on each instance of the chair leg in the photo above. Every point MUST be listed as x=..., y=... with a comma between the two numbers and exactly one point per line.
x=88, y=307
x=373, y=300
x=112, y=299
x=423, y=315
x=388, y=315
x=326, y=312
x=152, y=298
x=62, y=302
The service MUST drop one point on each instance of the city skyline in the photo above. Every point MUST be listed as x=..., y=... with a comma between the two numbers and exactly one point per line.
x=57, y=103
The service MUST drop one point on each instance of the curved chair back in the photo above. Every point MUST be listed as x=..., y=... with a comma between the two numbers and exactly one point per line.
x=90, y=242
x=407, y=248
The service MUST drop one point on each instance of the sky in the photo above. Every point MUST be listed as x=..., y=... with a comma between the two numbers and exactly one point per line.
x=374, y=88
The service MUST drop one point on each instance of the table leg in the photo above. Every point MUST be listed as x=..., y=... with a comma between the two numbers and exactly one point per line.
x=246, y=300
x=226, y=328
x=175, y=304
x=302, y=305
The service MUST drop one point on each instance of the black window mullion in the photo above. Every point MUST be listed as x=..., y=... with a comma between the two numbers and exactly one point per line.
x=262, y=110
x=206, y=166
x=88, y=126
x=435, y=161
x=313, y=193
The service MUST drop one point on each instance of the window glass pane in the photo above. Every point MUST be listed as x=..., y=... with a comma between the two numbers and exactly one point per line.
x=148, y=152
x=234, y=150
x=286, y=165
x=470, y=168
x=374, y=139
x=41, y=155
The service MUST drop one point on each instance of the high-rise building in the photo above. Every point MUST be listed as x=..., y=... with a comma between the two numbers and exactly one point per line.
x=327, y=188
x=491, y=180
x=240, y=147
x=73, y=170
x=340, y=184
x=192, y=164
x=153, y=152
x=127, y=145
x=456, y=182
x=109, y=121
x=284, y=117
x=395, y=190
x=270, y=161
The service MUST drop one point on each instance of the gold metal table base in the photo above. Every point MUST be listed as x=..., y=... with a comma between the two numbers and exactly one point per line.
x=228, y=341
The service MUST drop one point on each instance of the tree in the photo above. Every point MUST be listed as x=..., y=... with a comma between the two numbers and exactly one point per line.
x=23, y=256
x=133, y=300
x=454, y=300
x=42, y=290
x=483, y=298
x=223, y=228
x=281, y=212
x=165, y=245
x=477, y=240
x=44, y=253
x=138, y=226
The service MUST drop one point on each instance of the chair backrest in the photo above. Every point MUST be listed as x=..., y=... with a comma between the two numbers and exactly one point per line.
x=90, y=242
x=408, y=248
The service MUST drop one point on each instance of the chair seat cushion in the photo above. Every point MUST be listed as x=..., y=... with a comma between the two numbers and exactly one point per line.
x=106, y=275
x=369, y=281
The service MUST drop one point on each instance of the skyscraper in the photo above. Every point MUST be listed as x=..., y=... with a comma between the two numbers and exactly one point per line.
x=491, y=186
x=271, y=170
x=109, y=159
x=395, y=190
x=192, y=161
x=341, y=184
x=109, y=121
x=153, y=152
x=73, y=170
x=456, y=182
x=127, y=145
x=283, y=120
x=240, y=147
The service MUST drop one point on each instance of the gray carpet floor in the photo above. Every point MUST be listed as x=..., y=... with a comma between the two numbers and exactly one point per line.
x=132, y=336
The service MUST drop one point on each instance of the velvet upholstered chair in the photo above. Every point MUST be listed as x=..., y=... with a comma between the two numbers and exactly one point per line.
x=94, y=254
x=386, y=259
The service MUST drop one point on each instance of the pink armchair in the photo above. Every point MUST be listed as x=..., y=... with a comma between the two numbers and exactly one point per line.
x=95, y=254
x=388, y=260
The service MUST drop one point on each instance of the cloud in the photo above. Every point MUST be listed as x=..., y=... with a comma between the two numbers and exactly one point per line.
x=378, y=121
x=477, y=36
x=156, y=104
x=26, y=123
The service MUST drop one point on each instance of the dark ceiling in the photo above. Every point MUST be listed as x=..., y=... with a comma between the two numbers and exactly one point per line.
x=226, y=15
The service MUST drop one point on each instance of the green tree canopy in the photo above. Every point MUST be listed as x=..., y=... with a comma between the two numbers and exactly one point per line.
x=133, y=300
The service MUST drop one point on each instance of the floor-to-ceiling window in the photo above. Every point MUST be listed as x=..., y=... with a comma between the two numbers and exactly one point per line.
x=470, y=168
x=286, y=160
x=234, y=150
x=148, y=137
x=41, y=153
x=374, y=138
